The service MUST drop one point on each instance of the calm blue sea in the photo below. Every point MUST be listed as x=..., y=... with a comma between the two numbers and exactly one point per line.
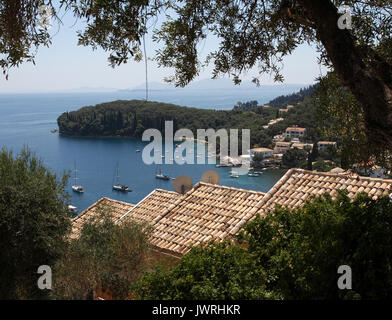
x=26, y=119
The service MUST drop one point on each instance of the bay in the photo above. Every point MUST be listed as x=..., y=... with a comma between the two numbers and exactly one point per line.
x=27, y=120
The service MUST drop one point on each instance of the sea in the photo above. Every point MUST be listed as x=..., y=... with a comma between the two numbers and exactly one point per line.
x=28, y=119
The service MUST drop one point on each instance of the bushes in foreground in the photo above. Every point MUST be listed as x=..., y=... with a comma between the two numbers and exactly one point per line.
x=290, y=254
x=219, y=271
x=106, y=258
x=33, y=223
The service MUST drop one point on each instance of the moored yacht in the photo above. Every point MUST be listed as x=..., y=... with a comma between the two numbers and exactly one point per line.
x=75, y=186
x=121, y=187
x=162, y=176
x=117, y=185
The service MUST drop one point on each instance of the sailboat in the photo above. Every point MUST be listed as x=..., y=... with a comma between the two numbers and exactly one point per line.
x=160, y=175
x=75, y=186
x=118, y=186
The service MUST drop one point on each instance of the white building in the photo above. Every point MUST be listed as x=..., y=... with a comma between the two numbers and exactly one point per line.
x=295, y=132
x=302, y=146
x=322, y=145
x=282, y=147
x=267, y=153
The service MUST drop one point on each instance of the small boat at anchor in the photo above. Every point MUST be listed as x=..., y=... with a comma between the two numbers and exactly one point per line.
x=234, y=174
x=72, y=209
x=75, y=187
x=162, y=176
x=118, y=186
x=253, y=174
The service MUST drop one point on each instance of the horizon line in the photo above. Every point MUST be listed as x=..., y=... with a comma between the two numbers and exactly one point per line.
x=114, y=90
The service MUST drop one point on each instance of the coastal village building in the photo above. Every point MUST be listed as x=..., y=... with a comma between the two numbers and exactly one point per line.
x=287, y=108
x=300, y=145
x=322, y=145
x=279, y=138
x=265, y=152
x=282, y=147
x=272, y=122
x=370, y=169
x=297, y=185
x=213, y=213
x=152, y=208
x=295, y=132
x=206, y=212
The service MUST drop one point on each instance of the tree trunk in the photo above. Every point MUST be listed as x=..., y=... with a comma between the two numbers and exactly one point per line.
x=371, y=85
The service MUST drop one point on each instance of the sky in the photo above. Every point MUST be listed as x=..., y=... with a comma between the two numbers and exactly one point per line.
x=65, y=66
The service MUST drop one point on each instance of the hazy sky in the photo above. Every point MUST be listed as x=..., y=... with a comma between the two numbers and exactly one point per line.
x=66, y=66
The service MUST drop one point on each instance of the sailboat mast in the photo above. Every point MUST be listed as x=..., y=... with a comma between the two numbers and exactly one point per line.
x=118, y=174
x=75, y=177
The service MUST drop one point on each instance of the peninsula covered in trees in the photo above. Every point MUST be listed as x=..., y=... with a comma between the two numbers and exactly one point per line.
x=130, y=118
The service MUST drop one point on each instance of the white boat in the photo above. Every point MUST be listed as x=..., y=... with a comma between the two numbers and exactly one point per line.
x=121, y=187
x=118, y=186
x=78, y=189
x=137, y=150
x=253, y=174
x=72, y=209
x=162, y=176
x=234, y=174
x=75, y=187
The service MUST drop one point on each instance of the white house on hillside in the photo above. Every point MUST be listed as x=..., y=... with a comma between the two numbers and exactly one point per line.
x=267, y=153
x=322, y=145
x=295, y=132
x=282, y=147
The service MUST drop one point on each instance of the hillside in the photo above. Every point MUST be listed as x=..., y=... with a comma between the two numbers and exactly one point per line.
x=293, y=99
x=130, y=119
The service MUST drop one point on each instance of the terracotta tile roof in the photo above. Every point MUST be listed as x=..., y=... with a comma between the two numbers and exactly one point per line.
x=283, y=144
x=297, y=185
x=326, y=142
x=152, y=207
x=213, y=212
x=295, y=129
x=114, y=207
x=261, y=150
x=206, y=212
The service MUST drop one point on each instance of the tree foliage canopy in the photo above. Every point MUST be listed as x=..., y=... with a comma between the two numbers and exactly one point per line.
x=105, y=256
x=131, y=118
x=301, y=249
x=33, y=223
x=293, y=158
x=220, y=272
